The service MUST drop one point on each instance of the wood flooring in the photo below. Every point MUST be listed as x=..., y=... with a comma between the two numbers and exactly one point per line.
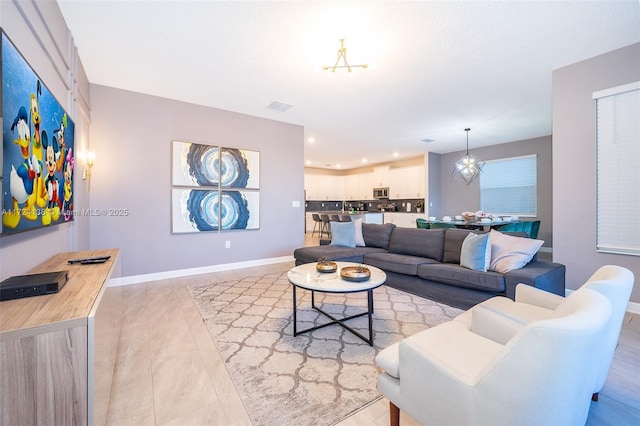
x=168, y=371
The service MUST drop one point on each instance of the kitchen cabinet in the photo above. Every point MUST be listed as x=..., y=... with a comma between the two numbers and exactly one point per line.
x=359, y=186
x=324, y=187
x=365, y=186
x=407, y=182
x=381, y=177
x=404, y=220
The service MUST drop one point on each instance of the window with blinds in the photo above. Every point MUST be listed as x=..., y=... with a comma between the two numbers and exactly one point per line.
x=509, y=186
x=618, y=169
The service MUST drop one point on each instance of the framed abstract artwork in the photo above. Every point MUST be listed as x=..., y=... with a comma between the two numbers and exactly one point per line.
x=213, y=166
x=37, y=149
x=195, y=210
x=239, y=210
x=214, y=188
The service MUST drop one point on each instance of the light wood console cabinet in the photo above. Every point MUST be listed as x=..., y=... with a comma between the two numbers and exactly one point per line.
x=51, y=345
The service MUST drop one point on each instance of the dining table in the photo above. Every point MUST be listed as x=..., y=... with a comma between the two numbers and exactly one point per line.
x=477, y=223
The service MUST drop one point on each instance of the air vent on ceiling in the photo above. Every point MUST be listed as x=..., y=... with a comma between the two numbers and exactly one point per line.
x=427, y=140
x=279, y=106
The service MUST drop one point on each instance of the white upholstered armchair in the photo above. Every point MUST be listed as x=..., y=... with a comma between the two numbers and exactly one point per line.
x=494, y=370
x=531, y=304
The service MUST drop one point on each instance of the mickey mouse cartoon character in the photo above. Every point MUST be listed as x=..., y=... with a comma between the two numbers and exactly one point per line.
x=51, y=181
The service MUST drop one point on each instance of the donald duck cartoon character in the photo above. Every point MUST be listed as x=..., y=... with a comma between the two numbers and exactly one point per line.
x=21, y=181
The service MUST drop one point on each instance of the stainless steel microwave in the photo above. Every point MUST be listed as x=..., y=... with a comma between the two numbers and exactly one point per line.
x=380, y=193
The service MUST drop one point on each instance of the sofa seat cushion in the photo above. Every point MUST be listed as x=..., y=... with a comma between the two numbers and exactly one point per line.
x=460, y=276
x=418, y=242
x=347, y=254
x=399, y=263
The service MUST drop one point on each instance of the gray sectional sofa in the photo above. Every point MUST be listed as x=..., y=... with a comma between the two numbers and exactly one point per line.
x=426, y=262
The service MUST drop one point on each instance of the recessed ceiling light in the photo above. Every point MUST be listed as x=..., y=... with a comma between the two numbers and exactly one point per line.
x=338, y=166
x=308, y=163
x=427, y=140
x=279, y=106
x=364, y=160
x=311, y=140
x=395, y=154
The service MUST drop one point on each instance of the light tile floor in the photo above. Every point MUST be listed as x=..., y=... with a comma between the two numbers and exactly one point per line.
x=168, y=371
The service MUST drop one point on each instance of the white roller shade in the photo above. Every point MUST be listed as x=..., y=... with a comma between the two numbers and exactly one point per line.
x=618, y=169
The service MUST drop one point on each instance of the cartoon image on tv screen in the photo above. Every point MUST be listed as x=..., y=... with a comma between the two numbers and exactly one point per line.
x=37, y=152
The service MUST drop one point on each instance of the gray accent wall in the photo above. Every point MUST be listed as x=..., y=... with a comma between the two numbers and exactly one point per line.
x=40, y=33
x=132, y=134
x=456, y=196
x=574, y=167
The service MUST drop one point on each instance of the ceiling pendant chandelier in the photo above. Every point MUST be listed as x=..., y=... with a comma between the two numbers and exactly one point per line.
x=342, y=55
x=467, y=167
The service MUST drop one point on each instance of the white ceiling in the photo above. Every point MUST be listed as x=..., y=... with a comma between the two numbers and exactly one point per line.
x=436, y=67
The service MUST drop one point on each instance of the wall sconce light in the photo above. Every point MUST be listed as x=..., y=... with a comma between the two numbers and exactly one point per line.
x=88, y=159
x=342, y=55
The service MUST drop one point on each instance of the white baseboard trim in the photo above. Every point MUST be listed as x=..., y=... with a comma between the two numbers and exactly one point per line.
x=136, y=279
x=546, y=249
x=632, y=307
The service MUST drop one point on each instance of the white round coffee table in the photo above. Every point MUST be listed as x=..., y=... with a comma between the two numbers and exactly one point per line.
x=307, y=277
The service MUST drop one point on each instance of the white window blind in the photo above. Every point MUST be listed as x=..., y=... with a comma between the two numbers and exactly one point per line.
x=508, y=186
x=618, y=169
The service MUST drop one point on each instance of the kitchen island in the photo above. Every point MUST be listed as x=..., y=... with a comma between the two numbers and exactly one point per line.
x=367, y=217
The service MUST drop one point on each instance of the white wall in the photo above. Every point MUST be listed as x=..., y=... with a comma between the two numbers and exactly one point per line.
x=40, y=34
x=132, y=134
x=574, y=162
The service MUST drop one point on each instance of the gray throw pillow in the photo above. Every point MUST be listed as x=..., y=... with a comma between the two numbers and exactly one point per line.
x=343, y=234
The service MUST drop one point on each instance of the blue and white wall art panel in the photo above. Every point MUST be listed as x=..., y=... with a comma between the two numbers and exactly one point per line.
x=240, y=210
x=195, y=210
x=239, y=168
x=195, y=164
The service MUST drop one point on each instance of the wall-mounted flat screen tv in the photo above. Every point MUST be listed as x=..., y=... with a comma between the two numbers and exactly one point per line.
x=37, y=149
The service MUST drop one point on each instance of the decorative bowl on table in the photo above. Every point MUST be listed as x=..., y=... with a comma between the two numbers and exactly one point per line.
x=324, y=265
x=469, y=217
x=355, y=273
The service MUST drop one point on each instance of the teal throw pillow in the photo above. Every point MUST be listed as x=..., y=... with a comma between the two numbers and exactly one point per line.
x=476, y=252
x=343, y=234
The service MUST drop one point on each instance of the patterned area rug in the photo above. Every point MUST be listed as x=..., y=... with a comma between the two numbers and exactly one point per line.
x=316, y=378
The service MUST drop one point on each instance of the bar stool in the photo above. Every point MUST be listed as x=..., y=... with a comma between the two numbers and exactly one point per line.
x=316, y=222
x=334, y=218
x=345, y=218
x=325, y=227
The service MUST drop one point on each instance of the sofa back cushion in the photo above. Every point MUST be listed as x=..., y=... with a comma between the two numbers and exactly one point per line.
x=418, y=242
x=453, y=239
x=377, y=235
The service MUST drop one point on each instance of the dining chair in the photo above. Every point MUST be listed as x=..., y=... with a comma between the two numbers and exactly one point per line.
x=530, y=227
x=441, y=225
x=422, y=223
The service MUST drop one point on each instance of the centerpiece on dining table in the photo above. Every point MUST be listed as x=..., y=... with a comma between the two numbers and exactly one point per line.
x=473, y=216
